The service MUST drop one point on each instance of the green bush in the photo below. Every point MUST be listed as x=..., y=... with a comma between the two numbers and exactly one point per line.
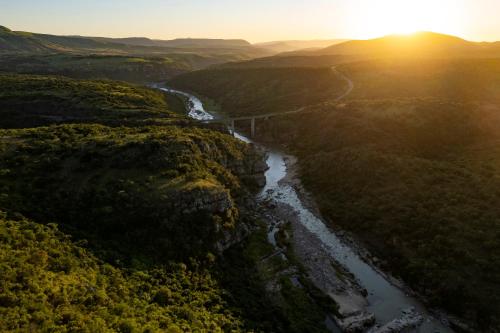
x=36, y=294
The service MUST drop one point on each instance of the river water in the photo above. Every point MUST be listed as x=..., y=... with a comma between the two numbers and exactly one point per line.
x=386, y=300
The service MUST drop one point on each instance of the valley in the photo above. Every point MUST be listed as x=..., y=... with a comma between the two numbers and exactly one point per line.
x=155, y=185
x=364, y=295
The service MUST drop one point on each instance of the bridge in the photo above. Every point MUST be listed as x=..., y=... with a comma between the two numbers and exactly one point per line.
x=230, y=121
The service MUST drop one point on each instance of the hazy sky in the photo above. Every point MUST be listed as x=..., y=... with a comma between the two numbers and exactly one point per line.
x=254, y=20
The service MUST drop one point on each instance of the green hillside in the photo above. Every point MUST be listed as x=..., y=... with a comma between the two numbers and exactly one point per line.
x=132, y=69
x=263, y=90
x=166, y=192
x=157, y=230
x=287, y=61
x=33, y=43
x=50, y=284
x=30, y=100
x=451, y=79
x=55, y=173
x=418, y=182
x=130, y=59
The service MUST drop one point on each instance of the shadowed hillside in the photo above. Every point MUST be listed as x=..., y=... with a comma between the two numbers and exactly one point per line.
x=418, y=181
x=451, y=79
x=145, y=69
x=263, y=90
x=294, y=45
x=31, y=100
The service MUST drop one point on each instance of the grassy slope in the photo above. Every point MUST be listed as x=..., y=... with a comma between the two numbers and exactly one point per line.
x=263, y=90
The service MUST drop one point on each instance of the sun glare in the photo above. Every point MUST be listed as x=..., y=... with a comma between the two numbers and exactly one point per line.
x=383, y=17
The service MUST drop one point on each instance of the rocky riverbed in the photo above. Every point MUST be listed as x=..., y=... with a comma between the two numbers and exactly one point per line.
x=368, y=300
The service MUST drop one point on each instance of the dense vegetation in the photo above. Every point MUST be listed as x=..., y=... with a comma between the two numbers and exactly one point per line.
x=140, y=69
x=263, y=90
x=50, y=284
x=459, y=80
x=30, y=100
x=287, y=61
x=144, y=209
x=167, y=192
x=418, y=181
x=126, y=68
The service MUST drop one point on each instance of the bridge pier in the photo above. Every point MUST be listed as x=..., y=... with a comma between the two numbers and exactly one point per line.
x=231, y=127
x=252, y=132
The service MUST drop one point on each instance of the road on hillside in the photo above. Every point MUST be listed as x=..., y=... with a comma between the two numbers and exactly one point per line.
x=350, y=87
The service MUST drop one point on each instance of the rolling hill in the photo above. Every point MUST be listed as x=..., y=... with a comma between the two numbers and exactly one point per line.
x=139, y=60
x=423, y=44
x=452, y=79
x=27, y=42
x=294, y=45
x=179, y=42
x=262, y=90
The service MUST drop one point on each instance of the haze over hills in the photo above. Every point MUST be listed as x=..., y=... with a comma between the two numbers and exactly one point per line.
x=294, y=45
x=135, y=59
x=422, y=44
x=419, y=45
x=180, y=42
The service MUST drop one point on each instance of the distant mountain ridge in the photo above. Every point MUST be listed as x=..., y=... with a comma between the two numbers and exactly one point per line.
x=27, y=42
x=294, y=45
x=425, y=44
x=178, y=42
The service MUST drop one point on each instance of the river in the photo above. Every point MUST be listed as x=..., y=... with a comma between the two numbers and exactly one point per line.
x=385, y=300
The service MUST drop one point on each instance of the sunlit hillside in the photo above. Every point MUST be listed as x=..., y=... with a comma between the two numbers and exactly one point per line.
x=421, y=44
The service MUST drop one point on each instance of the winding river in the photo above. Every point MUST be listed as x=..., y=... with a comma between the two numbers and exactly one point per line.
x=386, y=300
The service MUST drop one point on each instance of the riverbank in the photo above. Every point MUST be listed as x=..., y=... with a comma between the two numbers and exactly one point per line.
x=292, y=179
x=324, y=270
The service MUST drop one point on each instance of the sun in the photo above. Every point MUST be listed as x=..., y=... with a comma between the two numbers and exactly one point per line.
x=383, y=17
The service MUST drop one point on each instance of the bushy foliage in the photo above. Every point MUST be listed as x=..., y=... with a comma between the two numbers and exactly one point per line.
x=49, y=284
x=166, y=191
x=33, y=100
x=243, y=92
x=146, y=200
x=461, y=80
x=145, y=69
